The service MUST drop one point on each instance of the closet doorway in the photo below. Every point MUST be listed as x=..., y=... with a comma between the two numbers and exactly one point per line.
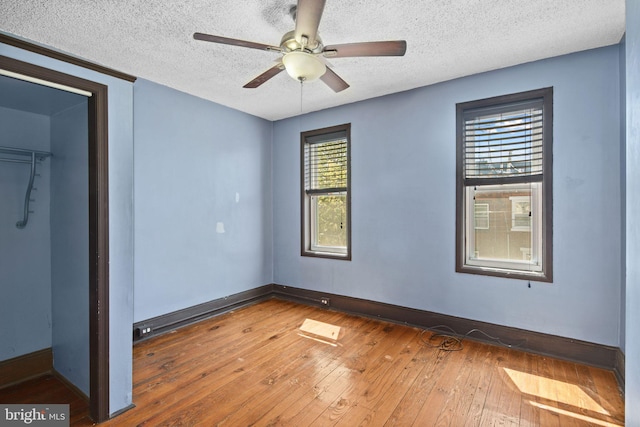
x=77, y=185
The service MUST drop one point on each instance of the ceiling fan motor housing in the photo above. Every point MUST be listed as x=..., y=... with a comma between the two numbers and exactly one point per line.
x=290, y=44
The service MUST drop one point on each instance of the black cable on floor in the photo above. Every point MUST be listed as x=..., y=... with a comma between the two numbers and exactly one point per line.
x=452, y=341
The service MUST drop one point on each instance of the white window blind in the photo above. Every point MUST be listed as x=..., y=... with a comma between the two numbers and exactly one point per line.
x=504, y=144
x=325, y=159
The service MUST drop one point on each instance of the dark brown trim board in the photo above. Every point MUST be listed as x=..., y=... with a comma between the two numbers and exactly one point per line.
x=70, y=385
x=41, y=50
x=25, y=367
x=98, y=226
x=99, y=253
x=602, y=356
x=170, y=321
x=534, y=342
x=618, y=369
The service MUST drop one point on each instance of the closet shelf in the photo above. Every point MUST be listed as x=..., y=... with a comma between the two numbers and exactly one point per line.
x=17, y=155
x=40, y=155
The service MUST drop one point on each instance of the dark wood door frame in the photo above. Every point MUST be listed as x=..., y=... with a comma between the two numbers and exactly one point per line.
x=98, y=226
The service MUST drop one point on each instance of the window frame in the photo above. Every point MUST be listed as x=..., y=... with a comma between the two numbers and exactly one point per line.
x=307, y=221
x=545, y=237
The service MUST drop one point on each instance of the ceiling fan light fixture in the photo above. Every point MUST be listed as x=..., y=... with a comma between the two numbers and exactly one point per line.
x=303, y=66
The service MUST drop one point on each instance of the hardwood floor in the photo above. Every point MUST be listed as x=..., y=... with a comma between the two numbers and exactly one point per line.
x=256, y=366
x=48, y=389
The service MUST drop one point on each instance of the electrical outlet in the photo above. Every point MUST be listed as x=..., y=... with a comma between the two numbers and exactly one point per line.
x=145, y=331
x=324, y=301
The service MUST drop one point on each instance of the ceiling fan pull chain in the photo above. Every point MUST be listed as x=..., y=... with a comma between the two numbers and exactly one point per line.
x=301, y=89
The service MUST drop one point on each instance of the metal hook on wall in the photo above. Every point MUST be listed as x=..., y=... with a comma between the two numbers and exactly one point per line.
x=34, y=157
x=27, y=197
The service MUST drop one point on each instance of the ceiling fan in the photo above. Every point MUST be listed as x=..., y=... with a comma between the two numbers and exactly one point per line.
x=303, y=52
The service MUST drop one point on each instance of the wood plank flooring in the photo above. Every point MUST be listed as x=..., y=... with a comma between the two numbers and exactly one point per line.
x=255, y=367
x=48, y=389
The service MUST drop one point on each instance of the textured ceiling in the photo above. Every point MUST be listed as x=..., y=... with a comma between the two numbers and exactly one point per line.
x=446, y=39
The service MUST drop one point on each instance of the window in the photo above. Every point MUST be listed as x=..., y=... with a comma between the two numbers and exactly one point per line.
x=520, y=213
x=326, y=202
x=504, y=186
x=481, y=214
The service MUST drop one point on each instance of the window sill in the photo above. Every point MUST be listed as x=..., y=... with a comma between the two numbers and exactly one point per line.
x=538, y=276
x=330, y=255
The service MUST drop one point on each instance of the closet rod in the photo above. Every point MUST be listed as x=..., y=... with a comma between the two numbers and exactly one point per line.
x=14, y=160
x=35, y=156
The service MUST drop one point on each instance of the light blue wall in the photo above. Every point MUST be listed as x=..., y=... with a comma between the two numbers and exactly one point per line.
x=403, y=202
x=632, y=341
x=120, y=129
x=200, y=168
x=70, y=244
x=25, y=255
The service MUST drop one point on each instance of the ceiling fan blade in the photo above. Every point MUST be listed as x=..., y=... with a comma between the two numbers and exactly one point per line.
x=334, y=81
x=386, y=48
x=235, y=42
x=271, y=72
x=308, y=14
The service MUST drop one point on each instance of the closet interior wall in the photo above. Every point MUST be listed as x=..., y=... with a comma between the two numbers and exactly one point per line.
x=44, y=267
x=25, y=254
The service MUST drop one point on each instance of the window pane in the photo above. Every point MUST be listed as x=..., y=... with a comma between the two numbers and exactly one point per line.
x=329, y=213
x=508, y=236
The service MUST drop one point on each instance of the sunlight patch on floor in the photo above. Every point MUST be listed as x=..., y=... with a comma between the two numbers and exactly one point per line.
x=576, y=402
x=581, y=417
x=319, y=331
x=554, y=390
